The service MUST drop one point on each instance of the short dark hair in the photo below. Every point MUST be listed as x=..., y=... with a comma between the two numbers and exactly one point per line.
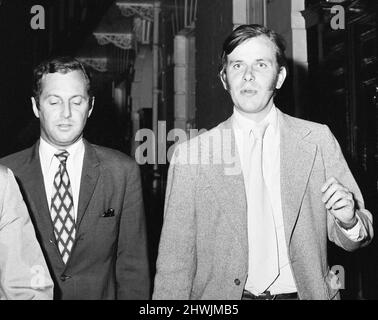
x=62, y=65
x=249, y=31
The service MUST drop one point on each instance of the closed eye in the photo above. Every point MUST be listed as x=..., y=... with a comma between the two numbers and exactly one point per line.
x=54, y=102
x=77, y=102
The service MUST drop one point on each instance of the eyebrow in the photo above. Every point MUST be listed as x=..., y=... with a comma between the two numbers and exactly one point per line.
x=235, y=61
x=52, y=96
x=265, y=60
x=258, y=60
x=78, y=96
x=57, y=96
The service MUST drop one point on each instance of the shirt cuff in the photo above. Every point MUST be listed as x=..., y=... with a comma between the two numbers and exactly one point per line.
x=354, y=233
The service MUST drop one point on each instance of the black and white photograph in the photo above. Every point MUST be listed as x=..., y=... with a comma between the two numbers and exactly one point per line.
x=176, y=151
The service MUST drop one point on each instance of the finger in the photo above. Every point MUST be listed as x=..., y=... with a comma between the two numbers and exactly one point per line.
x=342, y=203
x=331, y=191
x=349, y=195
x=328, y=183
x=337, y=196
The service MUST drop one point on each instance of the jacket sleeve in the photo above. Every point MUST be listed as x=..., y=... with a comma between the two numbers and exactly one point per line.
x=132, y=268
x=23, y=271
x=337, y=167
x=176, y=263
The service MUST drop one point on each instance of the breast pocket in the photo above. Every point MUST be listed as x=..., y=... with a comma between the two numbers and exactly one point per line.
x=107, y=225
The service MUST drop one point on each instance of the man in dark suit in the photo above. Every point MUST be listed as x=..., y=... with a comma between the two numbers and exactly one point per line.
x=85, y=200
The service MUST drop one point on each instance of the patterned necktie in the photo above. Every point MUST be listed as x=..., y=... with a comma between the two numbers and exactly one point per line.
x=262, y=238
x=62, y=211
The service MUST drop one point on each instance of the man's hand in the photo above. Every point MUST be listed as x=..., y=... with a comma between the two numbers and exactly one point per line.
x=340, y=203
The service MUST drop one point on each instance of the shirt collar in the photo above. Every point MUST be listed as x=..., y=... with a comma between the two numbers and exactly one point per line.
x=243, y=123
x=47, y=151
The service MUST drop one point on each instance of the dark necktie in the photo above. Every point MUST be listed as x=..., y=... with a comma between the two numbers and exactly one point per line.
x=62, y=210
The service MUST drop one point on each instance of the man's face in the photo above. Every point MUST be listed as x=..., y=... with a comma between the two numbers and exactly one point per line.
x=251, y=76
x=63, y=108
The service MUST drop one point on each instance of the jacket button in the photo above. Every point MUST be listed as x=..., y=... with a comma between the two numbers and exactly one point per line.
x=237, y=282
x=64, y=277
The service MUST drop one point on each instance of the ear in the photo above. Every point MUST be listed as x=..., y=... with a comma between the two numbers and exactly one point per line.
x=281, y=77
x=91, y=106
x=35, y=107
x=223, y=78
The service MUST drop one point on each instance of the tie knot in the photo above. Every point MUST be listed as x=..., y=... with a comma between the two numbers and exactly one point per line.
x=62, y=156
x=259, y=131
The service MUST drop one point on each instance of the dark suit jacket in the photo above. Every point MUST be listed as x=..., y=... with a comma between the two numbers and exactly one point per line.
x=109, y=256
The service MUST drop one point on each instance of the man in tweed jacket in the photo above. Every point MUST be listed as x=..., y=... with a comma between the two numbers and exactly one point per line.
x=204, y=250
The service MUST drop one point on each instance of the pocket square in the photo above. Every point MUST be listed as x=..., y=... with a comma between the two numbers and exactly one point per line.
x=108, y=213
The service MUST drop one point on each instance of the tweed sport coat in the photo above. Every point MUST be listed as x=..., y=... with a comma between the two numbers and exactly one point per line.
x=203, y=251
x=109, y=256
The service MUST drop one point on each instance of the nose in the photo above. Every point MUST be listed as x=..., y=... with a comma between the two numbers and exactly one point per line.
x=249, y=74
x=66, y=112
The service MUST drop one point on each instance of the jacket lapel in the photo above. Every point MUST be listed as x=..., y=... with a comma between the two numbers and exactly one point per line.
x=297, y=159
x=227, y=182
x=89, y=177
x=34, y=183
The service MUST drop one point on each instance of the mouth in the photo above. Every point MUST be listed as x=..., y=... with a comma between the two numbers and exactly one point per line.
x=248, y=92
x=64, y=127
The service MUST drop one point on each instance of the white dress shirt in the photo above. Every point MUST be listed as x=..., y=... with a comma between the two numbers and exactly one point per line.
x=285, y=282
x=50, y=165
